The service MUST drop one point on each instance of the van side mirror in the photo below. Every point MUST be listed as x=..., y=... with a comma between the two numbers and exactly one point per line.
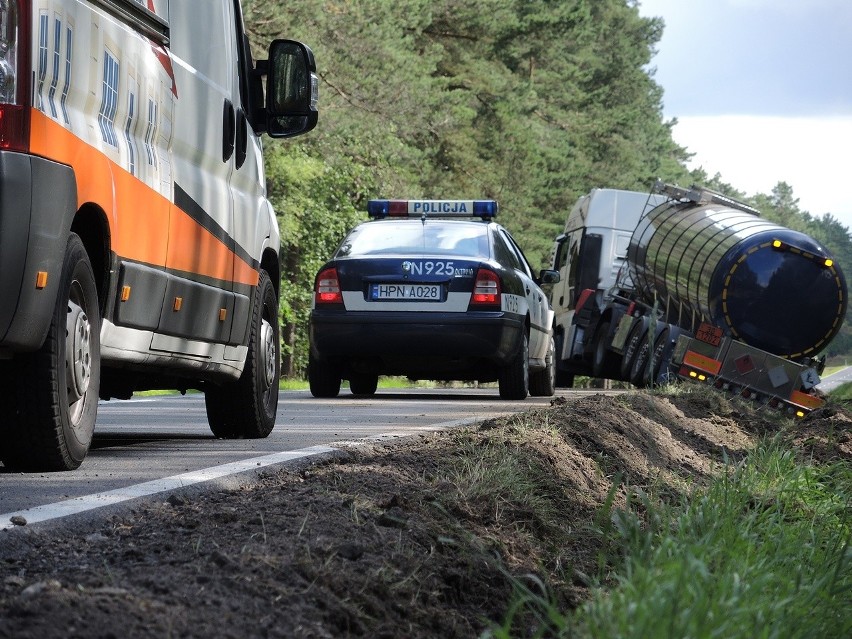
x=291, y=89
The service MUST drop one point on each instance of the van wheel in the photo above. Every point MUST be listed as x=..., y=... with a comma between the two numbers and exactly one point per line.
x=246, y=408
x=57, y=386
x=322, y=378
x=514, y=379
x=364, y=385
x=543, y=382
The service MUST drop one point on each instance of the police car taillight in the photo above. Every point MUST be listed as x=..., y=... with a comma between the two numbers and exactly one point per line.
x=327, y=290
x=486, y=288
x=486, y=209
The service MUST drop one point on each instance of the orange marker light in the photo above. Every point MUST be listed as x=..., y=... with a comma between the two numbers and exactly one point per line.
x=125, y=293
x=223, y=313
x=178, y=303
x=41, y=279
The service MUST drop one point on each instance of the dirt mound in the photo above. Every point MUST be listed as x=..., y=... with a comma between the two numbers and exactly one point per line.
x=421, y=537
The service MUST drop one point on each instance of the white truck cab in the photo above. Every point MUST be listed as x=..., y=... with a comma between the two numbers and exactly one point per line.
x=589, y=254
x=138, y=249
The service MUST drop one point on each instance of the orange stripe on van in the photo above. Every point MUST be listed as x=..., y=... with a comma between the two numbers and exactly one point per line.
x=137, y=233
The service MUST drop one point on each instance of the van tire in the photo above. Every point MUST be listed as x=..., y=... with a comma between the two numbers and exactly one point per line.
x=543, y=382
x=324, y=381
x=56, y=401
x=245, y=409
x=514, y=379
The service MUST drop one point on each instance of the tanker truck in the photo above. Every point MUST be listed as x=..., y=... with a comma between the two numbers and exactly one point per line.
x=686, y=283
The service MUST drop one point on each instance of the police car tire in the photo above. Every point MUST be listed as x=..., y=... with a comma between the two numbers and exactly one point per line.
x=245, y=409
x=364, y=385
x=513, y=380
x=323, y=380
x=48, y=429
x=543, y=382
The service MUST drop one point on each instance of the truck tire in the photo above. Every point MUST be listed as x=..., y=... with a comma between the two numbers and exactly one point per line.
x=514, y=380
x=323, y=380
x=543, y=382
x=56, y=399
x=639, y=368
x=364, y=385
x=564, y=379
x=604, y=361
x=245, y=409
x=631, y=346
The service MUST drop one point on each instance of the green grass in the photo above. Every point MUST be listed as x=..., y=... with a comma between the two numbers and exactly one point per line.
x=763, y=552
x=842, y=392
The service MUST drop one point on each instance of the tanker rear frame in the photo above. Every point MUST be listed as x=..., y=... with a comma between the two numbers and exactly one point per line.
x=603, y=331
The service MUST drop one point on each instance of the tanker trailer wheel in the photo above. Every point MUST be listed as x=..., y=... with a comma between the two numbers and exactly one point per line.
x=631, y=347
x=543, y=382
x=604, y=361
x=245, y=408
x=664, y=372
x=57, y=386
x=514, y=380
x=641, y=374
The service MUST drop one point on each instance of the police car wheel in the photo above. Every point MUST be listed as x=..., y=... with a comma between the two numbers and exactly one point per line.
x=323, y=379
x=543, y=382
x=365, y=384
x=513, y=380
x=57, y=386
x=246, y=408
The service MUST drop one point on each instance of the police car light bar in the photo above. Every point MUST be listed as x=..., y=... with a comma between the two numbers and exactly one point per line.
x=485, y=209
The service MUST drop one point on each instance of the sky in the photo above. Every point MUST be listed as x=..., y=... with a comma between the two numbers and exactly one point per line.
x=762, y=93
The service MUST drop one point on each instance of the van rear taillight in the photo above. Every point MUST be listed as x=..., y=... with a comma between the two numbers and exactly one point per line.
x=486, y=289
x=327, y=288
x=15, y=25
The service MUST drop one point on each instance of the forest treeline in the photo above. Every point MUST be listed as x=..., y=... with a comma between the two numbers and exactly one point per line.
x=531, y=103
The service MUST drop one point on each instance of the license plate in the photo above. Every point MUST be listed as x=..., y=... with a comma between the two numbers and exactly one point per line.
x=417, y=292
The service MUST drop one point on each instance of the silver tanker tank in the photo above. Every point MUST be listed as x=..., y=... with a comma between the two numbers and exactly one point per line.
x=703, y=257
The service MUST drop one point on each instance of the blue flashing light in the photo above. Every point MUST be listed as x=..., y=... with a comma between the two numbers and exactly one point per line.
x=485, y=209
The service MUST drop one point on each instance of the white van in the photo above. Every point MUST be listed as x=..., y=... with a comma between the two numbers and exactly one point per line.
x=138, y=249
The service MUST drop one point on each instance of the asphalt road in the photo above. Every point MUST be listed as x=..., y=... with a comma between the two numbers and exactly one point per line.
x=145, y=446
x=830, y=382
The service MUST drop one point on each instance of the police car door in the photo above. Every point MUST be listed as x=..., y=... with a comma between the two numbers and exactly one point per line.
x=536, y=300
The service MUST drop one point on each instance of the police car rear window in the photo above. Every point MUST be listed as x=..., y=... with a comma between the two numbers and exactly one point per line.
x=415, y=238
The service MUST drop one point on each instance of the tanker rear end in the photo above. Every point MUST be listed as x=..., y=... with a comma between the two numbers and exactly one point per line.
x=708, y=290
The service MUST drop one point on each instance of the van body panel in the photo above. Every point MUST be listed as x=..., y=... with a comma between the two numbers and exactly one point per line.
x=146, y=121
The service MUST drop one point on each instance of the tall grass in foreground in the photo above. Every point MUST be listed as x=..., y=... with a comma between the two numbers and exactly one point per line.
x=763, y=552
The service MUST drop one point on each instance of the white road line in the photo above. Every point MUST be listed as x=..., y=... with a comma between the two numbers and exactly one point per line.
x=85, y=503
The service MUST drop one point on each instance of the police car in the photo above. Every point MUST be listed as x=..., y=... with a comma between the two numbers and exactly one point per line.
x=431, y=289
